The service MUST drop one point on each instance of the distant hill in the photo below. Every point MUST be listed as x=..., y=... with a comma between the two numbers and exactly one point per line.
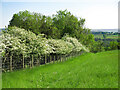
x=104, y=30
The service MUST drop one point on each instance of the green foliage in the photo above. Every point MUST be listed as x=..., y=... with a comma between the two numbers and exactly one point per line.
x=20, y=41
x=77, y=45
x=60, y=46
x=100, y=45
x=16, y=40
x=70, y=24
x=109, y=40
x=104, y=36
x=113, y=45
x=34, y=22
x=89, y=70
x=53, y=27
x=97, y=46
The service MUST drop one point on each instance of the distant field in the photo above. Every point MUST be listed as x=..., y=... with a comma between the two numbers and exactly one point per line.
x=107, y=36
x=89, y=70
x=113, y=36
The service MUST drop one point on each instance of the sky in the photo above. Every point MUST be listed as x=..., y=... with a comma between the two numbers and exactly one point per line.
x=99, y=14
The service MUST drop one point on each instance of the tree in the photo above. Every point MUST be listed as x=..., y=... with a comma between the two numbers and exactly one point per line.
x=104, y=36
x=70, y=24
x=97, y=46
x=113, y=45
x=54, y=27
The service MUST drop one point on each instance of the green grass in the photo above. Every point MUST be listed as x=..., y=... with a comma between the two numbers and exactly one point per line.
x=107, y=37
x=113, y=36
x=89, y=70
x=0, y=80
x=98, y=36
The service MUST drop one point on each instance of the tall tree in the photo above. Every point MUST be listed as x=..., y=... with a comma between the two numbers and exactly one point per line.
x=54, y=27
x=74, y=26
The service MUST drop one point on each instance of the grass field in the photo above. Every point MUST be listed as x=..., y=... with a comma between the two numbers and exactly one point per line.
x=89, y=70
x=108, y=36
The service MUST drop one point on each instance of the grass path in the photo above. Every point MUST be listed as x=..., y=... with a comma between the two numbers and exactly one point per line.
x=89, y=70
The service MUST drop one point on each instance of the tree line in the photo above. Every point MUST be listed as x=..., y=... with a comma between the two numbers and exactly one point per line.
x=58, y=25
x=55, y=26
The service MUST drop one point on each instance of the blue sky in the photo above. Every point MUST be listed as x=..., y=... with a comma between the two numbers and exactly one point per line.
x=99, y=14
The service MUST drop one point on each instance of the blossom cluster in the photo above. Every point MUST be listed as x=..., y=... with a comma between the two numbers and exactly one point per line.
x=77, y=45
x=21, y=41
x=60, y=46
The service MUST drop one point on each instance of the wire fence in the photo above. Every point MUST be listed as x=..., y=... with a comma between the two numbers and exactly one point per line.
x=10, y=62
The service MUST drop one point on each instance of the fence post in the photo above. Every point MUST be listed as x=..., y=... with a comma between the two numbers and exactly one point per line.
x=23, y=60
x=40, y=58
x=60, y=58
x=37, y=59
x=45, y=59
x=11, y=62
x=32, y=60
x=54, y=59
x=57, y=58
x=70, y=55
x=50, y=58
x=65, y=57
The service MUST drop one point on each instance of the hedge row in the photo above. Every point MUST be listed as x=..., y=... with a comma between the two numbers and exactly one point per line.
x=20, y=41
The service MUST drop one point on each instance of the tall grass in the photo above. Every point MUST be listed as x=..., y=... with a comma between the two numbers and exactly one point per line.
x=89, y=70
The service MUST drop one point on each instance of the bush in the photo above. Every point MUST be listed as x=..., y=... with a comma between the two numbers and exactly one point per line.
x=53, y=27
x=97, y=47
x=77, y=45
x=60, y=46
x=113, y=45
x=22, y=42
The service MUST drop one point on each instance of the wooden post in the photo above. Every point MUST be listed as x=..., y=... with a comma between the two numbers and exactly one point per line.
x=57, y=58
x=69, y=56
x=11, y=62
x=45, y=59
x=39, y=58
x=60, y=58
x=23, y=60
x=54, y=59
x=65, y=57
x=32, y=60
x=50, y=58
